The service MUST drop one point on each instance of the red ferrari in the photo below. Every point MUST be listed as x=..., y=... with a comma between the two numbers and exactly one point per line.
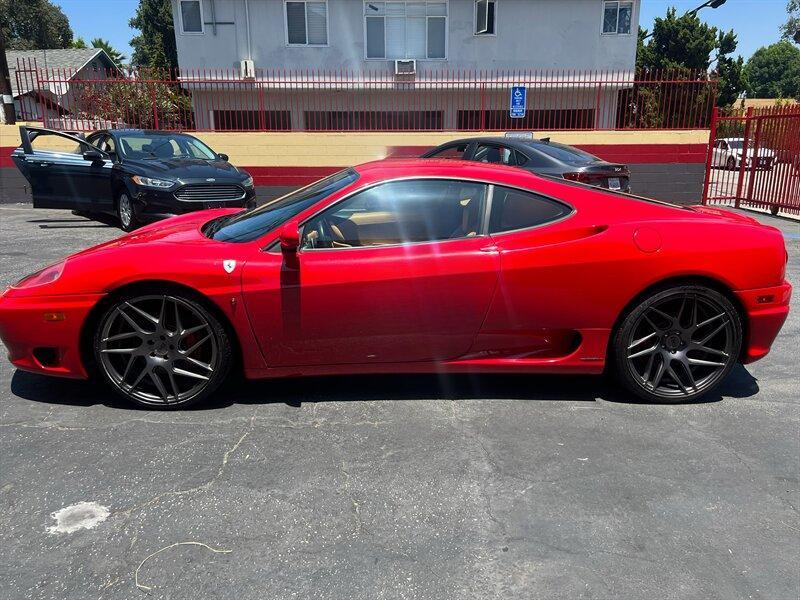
x=411, y=266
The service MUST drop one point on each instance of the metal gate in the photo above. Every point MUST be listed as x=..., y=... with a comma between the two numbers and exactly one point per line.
x=754, y=159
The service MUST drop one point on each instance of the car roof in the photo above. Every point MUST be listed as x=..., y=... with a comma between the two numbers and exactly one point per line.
x=439, y=167
x=153, y=132
x=506, y=141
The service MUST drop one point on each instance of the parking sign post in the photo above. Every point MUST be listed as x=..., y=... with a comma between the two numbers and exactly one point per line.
x=518, y=102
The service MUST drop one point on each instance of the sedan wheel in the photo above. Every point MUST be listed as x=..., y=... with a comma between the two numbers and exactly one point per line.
x=678, y=344
x=162, y=350
x=127, y=217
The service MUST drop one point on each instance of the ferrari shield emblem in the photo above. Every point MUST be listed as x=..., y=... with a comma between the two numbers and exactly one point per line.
x=229, y=265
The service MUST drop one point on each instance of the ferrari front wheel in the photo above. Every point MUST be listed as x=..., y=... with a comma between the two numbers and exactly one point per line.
x=677, y=344
x=162, y=350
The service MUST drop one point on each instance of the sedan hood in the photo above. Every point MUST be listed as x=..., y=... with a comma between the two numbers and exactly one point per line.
x=189, y=168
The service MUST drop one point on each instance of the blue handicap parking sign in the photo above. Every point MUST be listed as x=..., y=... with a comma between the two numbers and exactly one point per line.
x=518, y=97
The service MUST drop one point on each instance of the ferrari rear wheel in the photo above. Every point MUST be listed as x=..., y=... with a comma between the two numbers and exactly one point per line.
x=162, y=350
x=678, y=344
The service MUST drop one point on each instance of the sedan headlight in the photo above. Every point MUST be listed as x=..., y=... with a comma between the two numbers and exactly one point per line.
x=248, y=182
x=41, y=277
x=152, y=182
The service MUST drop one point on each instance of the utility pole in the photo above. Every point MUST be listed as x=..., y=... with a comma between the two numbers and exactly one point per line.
x=6, y=95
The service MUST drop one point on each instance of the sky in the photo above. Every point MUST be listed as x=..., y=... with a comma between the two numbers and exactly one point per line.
x=756, y=22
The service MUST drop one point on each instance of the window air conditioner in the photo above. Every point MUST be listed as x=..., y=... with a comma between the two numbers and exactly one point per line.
x=405, y=67
x=248, y=69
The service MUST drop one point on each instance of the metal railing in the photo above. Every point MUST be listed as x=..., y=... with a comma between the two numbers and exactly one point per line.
x=315, y=100
x=754, y=159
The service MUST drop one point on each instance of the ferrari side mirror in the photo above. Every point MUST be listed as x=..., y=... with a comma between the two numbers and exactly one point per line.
x=290, y=238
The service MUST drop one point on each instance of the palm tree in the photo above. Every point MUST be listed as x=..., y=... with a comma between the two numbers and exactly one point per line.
x=113, y=54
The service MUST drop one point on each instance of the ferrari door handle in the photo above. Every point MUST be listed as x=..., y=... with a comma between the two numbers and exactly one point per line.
x=489, y=248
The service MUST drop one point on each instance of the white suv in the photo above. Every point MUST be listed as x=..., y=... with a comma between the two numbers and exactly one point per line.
x=727, y=153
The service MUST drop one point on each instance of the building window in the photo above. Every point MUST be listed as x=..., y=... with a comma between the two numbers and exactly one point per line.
x=306, y=23
x=397, y=30
x=485, y=17
x=191, y=16
x=617, y=17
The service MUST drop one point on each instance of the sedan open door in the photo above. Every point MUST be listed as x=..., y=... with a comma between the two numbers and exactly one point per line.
x=64, y=171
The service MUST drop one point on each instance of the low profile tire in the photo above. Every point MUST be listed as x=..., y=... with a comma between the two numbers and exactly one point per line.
x=161, y=350
x=126, y=213
x=677, y=344
x=731, y=164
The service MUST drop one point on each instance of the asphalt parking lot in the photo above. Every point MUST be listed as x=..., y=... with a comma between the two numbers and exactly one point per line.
x=397, y=487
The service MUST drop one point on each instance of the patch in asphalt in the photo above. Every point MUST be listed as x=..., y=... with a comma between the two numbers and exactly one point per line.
x=83, y=515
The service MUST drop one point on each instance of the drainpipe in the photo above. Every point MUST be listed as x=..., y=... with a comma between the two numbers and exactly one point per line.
x=247, y=20
x=213, y=17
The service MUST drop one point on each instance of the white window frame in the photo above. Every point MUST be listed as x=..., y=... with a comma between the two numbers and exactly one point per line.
x=307, y=45
x=616, y=29
x=202, y=18
x=475, y=20
x=446, y=18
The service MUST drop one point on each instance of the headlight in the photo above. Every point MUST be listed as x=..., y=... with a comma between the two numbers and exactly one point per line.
x=42, y=277
x=152, y=182
x=248, y=182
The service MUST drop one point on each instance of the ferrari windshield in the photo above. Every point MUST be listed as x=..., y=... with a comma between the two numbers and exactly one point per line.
x=252, y=224
x=142, y=145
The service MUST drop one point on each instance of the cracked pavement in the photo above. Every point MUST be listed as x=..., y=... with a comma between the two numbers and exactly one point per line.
x=398, y=486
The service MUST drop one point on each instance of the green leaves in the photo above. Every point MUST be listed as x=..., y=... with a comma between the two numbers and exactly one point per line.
x=774, y=71
x=34, y=24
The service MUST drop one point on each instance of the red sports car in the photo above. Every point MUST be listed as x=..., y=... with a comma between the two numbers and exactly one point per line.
x=411, y=266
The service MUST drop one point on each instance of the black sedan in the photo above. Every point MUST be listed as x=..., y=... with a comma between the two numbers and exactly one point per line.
x=538, y=156
x=140, y=176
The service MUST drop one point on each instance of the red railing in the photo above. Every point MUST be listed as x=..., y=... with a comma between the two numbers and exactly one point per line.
x=768, y=139
x=315, y=100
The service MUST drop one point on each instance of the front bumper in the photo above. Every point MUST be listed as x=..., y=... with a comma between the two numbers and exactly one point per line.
x=42, y=333
x=766, y=309
x=153, y=205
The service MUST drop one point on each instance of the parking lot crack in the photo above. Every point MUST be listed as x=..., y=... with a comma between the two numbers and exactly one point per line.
x=356, y=507
x=203, y=486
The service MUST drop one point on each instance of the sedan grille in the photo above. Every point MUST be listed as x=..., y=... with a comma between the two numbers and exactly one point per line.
x=210, y=193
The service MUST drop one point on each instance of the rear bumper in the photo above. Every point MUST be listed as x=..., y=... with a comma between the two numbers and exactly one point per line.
x=50, y=347
x=766, y=309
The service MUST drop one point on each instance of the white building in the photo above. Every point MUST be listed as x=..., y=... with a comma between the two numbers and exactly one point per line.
x=556, y=48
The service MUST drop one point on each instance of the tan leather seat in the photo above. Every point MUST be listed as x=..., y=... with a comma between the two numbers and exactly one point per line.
x=344, y=233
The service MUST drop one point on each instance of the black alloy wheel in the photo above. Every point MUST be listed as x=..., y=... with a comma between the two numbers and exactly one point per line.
x=162, y=350
x=678, y=344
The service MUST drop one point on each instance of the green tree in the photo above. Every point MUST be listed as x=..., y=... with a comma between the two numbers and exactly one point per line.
x=34, y=24
x=792, y=24
x=155, y=45
x=78, y=42
x=112, y=52
x=774, y=71
x=686, y=42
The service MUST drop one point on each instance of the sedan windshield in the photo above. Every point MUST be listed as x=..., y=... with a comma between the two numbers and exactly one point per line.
x=142, y=146
x=251, y=225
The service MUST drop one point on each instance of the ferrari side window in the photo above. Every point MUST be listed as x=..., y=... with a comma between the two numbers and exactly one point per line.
x=400, y=212
x=515, y=209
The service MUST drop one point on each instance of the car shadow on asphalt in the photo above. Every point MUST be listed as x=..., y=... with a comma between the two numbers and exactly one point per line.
x=354, y=388
x=76, y=222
